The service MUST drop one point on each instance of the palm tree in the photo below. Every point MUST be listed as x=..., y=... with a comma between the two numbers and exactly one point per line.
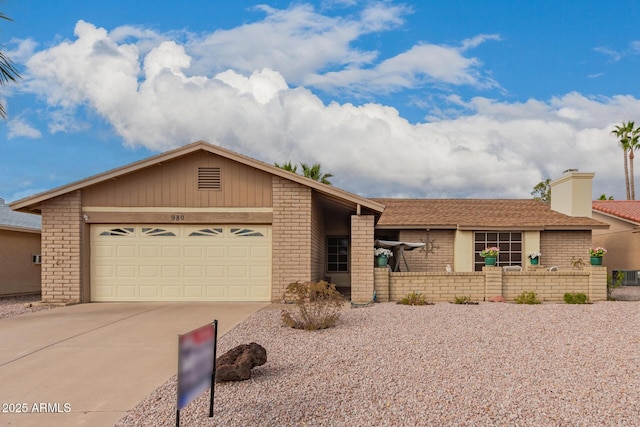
x=314, y=173
x=288, y=166
x=622, y=132
x=633, y=146
x=7, y=70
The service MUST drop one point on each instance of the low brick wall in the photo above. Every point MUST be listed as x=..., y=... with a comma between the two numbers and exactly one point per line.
x=549, y=286
x=480, y=286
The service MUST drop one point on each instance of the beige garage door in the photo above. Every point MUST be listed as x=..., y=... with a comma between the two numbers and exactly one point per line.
x=180, y=263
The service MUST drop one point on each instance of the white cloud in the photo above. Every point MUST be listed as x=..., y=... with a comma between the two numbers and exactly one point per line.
x=18, y=127
x=219, y=89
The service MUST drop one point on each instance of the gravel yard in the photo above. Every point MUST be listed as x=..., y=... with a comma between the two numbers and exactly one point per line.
x=14, y=306
x=445, y=364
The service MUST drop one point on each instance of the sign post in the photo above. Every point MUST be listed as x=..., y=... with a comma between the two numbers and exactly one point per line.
x=196, y=365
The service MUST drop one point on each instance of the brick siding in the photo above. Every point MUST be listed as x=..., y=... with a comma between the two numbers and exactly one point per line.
x=292, y=231
x=437, y=261
x=362, y=258
x=318, y=241
x=61, y=249
x=557, y=247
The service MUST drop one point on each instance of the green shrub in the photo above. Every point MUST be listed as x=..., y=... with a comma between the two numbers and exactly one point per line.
x=414, y=298
x=464, y=300
x=528, y=298
x=318, y=305
x=576, y=298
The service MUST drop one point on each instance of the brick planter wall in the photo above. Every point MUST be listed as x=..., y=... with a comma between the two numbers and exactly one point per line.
x=480, y=286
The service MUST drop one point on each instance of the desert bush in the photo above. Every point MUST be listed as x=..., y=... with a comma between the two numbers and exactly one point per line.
x=613, y=283
x=463, y=300
x=576, y=298
x=414, y=298
x=528, y=298
x=317, y=305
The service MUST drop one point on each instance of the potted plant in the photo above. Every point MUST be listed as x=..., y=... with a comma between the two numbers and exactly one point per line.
x=490, y=256
x=534, y=257
x=382, y=256
x=596, y=255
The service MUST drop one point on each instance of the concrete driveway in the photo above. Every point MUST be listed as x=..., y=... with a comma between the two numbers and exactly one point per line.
x=86, y=365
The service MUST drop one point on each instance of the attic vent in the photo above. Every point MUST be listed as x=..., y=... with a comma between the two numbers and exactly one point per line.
x=209, y=179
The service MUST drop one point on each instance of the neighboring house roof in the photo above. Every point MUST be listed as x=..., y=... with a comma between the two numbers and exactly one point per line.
x=628, y=210
x=31, y=203
x=17, y=221
x=478, y=214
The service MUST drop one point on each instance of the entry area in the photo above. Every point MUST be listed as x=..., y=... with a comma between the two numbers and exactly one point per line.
x=170, y=262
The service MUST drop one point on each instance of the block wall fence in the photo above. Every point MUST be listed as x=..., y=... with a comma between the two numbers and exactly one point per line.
x=550, y=286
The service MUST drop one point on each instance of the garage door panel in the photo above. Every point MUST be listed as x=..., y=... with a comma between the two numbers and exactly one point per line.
x=237, y=252
x=193, y=271
x=193, y=291
x=172, y=291
x=170, y=263
x=148, y=251
x=215, y=272
x=260, y=272
x=170, y=271
x=171, y=252
x=149, y=271
x=149, y=291
x=216, y=252
x=126, y=291
x=126, y=251
x=193, y=252
x=126, y=271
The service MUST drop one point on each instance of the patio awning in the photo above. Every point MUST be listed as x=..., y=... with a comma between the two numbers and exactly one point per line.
x=398, y=249
x=392, y=244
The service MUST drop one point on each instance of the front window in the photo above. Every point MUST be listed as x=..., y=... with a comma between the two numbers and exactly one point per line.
x=510, y=244
x=338, y=254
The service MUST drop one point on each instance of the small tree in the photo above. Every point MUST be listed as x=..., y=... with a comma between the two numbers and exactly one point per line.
x=603, y=196
x=542, y=191
x=288, y=166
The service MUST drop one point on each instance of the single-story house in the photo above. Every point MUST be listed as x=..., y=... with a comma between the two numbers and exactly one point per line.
x=19, y=252
x=622, y=239
x=205, y=223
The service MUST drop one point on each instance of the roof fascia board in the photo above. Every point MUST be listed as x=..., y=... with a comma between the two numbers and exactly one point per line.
x=20, y=229
x=416, y=227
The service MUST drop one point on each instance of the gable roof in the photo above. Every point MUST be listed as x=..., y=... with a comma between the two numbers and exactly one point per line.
x=478, y=214
x=17, y=221
x=628, y=210
x=31, y=203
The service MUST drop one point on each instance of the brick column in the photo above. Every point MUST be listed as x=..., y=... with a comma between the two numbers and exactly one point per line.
x=492, y=282
x=61, y=249
x=362, y=242
x=381, y=283
x=291, y=237
x=598, y=283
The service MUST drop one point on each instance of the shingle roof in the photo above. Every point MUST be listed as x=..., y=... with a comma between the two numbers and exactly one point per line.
x=11, y=219
x=625, y=209
x=478, y=214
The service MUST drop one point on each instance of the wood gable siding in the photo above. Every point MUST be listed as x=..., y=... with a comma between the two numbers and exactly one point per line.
x=175, y=184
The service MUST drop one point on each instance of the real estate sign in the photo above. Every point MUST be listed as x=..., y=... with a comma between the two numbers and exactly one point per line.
x=196, y=364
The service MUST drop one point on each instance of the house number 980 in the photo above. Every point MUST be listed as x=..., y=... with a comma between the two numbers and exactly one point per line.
x=177, y=217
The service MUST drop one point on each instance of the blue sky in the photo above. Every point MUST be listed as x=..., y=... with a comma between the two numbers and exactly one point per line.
x=414, y=99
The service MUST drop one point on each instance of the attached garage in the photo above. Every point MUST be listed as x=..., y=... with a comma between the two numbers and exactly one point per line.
x=198, y=223
x=168, y=262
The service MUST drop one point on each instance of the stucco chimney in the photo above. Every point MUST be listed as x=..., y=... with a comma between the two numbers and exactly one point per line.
x=571, y=193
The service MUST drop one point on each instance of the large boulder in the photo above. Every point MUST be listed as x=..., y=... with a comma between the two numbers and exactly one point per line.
x=236, y=364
